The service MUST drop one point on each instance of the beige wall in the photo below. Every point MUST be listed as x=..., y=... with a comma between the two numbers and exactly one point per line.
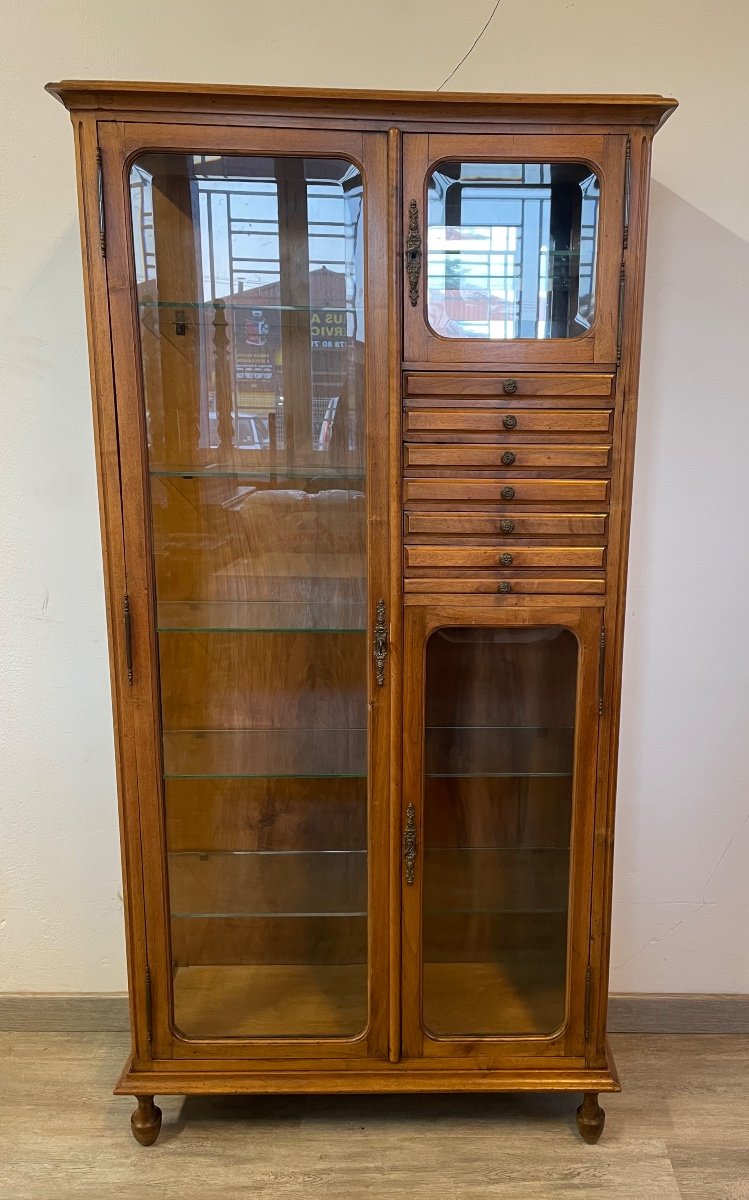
x=682, y=884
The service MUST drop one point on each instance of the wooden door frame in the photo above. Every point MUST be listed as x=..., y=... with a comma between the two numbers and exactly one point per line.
x=569, y=1043
x=119, y=144
x=604, y=153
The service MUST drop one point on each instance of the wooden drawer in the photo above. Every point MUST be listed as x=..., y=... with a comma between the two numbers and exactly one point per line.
x=507, y=457
x=488, y=424
x=504, y=557
x=549, y=586
x=506, y=385
x=518, y=525
x=499, y=491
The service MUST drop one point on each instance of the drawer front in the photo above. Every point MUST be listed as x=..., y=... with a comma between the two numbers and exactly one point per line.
x=505, y=558
x=506, y=385
x=507, y=457
x=551, y=586
x=489, y=424
x=498, y=491
x=518, y=525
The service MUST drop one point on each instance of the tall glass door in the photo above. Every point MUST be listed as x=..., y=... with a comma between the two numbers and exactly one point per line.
x=253, y=318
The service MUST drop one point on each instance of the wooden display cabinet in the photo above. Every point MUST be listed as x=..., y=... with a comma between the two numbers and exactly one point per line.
x=365, y=380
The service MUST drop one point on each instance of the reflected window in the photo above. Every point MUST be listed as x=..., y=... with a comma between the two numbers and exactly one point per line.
x=511, y=250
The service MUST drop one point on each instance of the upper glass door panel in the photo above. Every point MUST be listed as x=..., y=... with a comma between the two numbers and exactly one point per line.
x=513, y=249
x=250, y=294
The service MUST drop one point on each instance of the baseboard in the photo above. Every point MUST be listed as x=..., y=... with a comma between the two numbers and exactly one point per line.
x=107, y=1012
x=64, y=1012
x=688, y=1012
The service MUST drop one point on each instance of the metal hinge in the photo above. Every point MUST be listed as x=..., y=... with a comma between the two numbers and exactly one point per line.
x=128, y=631
x=588, y=995
x=102, y=230
x=601, y=667
x=149, y=1005
x=620, y=329
x=627, y=186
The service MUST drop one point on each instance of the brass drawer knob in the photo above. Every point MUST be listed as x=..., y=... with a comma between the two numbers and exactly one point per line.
x=507, y=493
x=510, y=386
x=505, y=560
x=506, y=526
x=504, y=587
x=508, y=458
x=509, y=420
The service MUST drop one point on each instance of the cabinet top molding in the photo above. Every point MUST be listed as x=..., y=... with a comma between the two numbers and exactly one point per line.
x=388, y=106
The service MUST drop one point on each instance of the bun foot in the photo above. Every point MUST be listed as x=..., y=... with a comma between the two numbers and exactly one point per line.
x=146, y=1121
x=590, y=1118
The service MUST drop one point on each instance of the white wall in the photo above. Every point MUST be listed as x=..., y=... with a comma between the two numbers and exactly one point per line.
x=682, y=884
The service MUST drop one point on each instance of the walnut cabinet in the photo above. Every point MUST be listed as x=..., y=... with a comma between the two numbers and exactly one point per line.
x=365, y=380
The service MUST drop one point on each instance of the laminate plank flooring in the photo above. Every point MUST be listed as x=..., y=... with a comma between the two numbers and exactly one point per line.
x=679, y=1131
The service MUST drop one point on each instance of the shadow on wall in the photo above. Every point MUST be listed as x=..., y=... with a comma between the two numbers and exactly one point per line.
x=684, y=747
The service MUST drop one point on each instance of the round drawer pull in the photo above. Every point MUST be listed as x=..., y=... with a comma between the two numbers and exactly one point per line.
x=509, y=387
x=504, y=587
x=509, y=420
x=506, y=526
x=507, y=493
x=505, y=560
x=508, y=458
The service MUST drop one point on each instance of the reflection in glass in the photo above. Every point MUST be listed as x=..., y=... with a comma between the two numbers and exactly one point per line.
x=511, y=249
x=499, y=745
x=250, y=297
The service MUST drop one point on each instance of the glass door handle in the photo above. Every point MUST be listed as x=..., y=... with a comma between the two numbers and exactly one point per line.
x=380, y=643
x=409, y=843
x=413, y=253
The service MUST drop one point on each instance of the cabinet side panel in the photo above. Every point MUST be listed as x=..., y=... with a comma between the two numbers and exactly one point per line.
x=115, y=582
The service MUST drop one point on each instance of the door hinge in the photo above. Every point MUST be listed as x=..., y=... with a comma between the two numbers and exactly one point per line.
x=627, y=187
x=102, y=229
x=149, y=1006
x=620, y=328
x=380, y=644
x=588, y=996
x=601, y=667
x=128, y=632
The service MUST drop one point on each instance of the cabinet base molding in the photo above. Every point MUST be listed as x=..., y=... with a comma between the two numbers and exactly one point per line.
x=390, y=1077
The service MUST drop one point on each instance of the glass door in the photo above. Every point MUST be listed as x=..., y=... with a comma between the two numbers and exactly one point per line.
x=255, y=310
x=512, y=248
x=498, y=813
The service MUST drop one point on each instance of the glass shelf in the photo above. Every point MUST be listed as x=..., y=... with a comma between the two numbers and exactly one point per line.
x=260, y=617
x=265, y=753
x=268, y=473
x=453, y=751
x=249, y=916
x=210, y=306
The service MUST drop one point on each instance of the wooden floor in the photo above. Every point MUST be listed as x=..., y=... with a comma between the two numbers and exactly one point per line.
x=679, y=1131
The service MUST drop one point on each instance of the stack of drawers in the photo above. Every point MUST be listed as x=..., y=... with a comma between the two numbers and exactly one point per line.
x=507, y=483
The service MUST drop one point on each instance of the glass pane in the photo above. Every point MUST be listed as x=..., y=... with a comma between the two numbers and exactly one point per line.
x=500, y=716
x=511, y=249
x=250, y=281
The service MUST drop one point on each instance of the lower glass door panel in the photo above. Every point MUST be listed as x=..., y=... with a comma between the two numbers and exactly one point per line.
x=499, y=743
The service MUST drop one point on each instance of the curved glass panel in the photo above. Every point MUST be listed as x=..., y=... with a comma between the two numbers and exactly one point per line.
x=511, y=249
x=499, y=752
x=250, y=291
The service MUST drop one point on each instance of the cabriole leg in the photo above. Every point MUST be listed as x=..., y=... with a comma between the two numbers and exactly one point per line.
x=590, y=1118
x=146, y=1121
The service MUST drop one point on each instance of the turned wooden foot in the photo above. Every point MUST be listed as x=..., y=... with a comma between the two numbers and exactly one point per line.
x=590, y=1118
x=146, y=1121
